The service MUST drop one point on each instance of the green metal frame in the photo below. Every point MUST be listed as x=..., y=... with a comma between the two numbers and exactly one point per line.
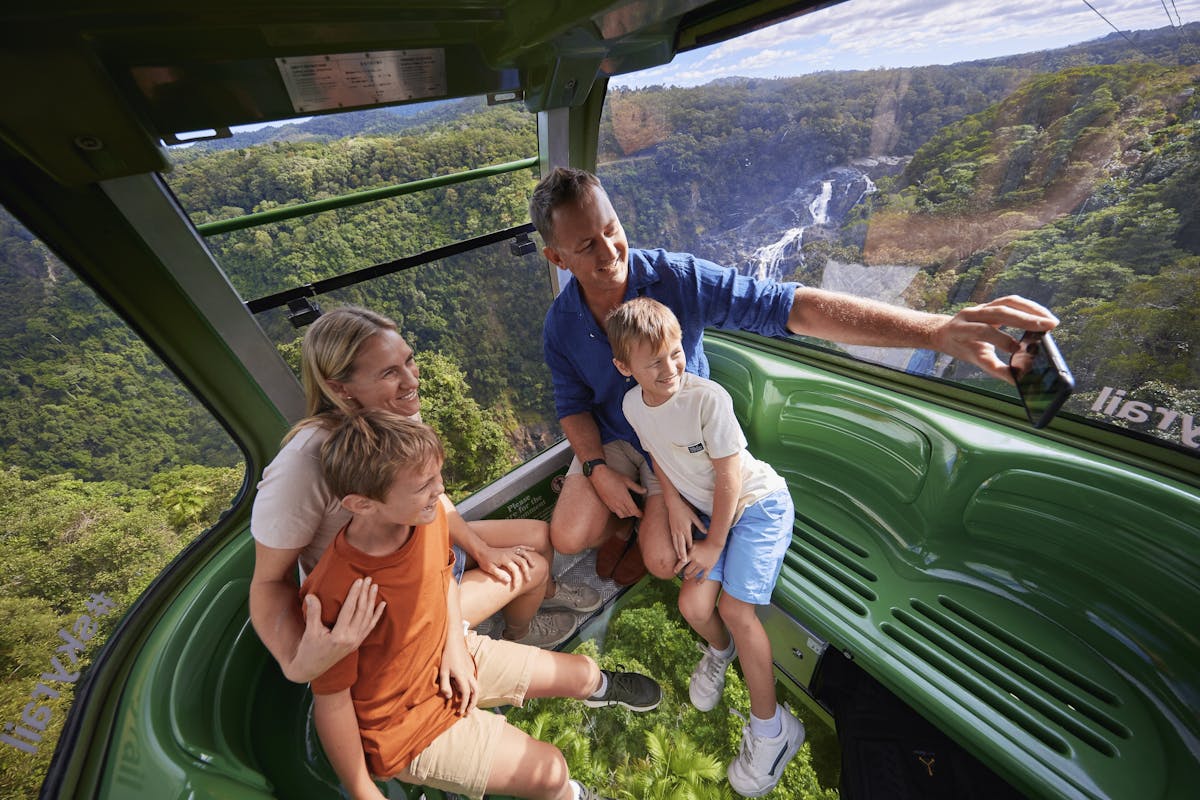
x=957, y=486
x=358, y=198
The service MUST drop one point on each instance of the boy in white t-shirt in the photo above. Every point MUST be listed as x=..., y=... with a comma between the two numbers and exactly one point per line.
x=743, y=512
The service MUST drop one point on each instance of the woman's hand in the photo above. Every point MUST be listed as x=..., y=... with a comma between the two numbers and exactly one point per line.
x=321, y=647
x=458, y=670
x=509, y=565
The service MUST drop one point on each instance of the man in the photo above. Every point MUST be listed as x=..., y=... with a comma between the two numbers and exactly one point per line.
x=609, y=482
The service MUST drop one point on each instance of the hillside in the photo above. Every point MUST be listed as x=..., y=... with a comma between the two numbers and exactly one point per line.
x=1102, y=153
x=1070, y=177
x=1076, y=190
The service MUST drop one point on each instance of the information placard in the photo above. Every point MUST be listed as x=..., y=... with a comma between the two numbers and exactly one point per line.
x=349, y=80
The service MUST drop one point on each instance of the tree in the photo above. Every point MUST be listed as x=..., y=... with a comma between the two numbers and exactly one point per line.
x=477, y=451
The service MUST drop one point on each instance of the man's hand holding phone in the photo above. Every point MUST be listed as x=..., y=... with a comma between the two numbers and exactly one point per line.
x=1042, y=377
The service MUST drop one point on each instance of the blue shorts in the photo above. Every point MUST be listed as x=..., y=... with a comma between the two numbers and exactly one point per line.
x=753, y=556
x=460, y=562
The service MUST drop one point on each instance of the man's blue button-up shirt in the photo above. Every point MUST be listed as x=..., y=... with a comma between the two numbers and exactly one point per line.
x=700, y=293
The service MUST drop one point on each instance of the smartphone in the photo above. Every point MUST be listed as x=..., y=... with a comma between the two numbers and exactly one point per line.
x=1042, y=377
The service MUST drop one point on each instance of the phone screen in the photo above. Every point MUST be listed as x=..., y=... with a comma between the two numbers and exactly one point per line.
x=1042, y=377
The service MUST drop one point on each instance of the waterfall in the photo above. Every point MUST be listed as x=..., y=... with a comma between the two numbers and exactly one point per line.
x=820, y=202
x=819, y=207
x=767, y=258
x=870, y=188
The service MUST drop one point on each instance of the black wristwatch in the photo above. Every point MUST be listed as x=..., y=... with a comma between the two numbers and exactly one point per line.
x=588, y=466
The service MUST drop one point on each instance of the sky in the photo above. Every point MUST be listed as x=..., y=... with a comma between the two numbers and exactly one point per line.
x=866, y=34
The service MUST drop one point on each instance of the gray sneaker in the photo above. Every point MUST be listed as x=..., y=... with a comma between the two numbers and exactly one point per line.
x=635, y=692
x=574, y=597
x=708, y=679
x=760, y=761
x=549, y=629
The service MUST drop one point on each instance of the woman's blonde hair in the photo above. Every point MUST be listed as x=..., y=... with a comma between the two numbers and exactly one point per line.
x=330, y=346
x=328, y=352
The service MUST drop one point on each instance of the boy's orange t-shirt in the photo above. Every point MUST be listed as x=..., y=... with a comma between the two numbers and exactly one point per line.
x=393, y=677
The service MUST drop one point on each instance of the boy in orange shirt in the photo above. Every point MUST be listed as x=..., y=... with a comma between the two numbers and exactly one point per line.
x=408, y=703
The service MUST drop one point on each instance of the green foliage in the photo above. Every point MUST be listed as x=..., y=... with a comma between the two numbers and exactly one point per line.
x=477, y=451
x=472, y=308
x=62, y=540
x=27, y=641
x=194, y=496
x=79, y=391
x=1149, y=335
x=674, y=751
x=1085, y=204
x=675, y=768
x=742, y=143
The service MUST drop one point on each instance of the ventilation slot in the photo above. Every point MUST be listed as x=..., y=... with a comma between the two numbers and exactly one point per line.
x=1018, y=681
x=988, y=694
x=832, y=563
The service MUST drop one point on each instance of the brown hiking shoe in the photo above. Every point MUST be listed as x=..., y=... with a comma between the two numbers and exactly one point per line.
x=630, y=568
x=620, y=560
x=609, y=553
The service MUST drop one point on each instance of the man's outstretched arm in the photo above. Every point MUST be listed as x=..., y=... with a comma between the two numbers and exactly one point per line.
x=973, y=334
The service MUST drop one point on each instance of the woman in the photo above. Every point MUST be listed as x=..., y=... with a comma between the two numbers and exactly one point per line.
x=354, y=358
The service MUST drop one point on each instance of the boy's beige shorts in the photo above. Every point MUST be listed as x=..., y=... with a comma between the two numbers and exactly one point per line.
x=460, y=760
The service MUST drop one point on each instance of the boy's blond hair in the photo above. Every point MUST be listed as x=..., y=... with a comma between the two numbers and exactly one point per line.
x=640, y=320
x=366, y=449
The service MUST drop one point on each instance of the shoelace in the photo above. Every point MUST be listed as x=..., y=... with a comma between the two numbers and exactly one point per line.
x=622, y=681
x=570, y=593
x=746, y=733
x=711, y=664
x=540, y=626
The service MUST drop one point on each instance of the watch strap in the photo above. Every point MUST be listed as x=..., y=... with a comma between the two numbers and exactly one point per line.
x=591, y=464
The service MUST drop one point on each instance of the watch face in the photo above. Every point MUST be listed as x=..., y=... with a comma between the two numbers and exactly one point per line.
x=588, y=466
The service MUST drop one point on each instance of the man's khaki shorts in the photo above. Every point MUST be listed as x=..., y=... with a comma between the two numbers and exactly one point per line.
x=460, y=760
x=625, y=459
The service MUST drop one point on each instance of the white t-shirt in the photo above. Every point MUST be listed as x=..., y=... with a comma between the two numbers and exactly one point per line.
x=293, y=507
x=693, y=427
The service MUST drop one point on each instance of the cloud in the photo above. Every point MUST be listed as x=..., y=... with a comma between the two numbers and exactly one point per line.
x=864, y=34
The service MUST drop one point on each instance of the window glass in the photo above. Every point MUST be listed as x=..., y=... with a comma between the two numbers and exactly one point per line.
x=109, y=468
x=475, y=323
x=1062, y=168
x=326, y=157
x=676, y=751
x=474, y=319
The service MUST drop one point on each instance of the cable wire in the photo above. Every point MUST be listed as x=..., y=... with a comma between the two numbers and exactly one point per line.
x=1115, y=28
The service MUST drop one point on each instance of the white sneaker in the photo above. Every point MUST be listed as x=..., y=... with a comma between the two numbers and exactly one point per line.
x=760, y=761
x=708, y=679
x=549, y=629
x=577, y=597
